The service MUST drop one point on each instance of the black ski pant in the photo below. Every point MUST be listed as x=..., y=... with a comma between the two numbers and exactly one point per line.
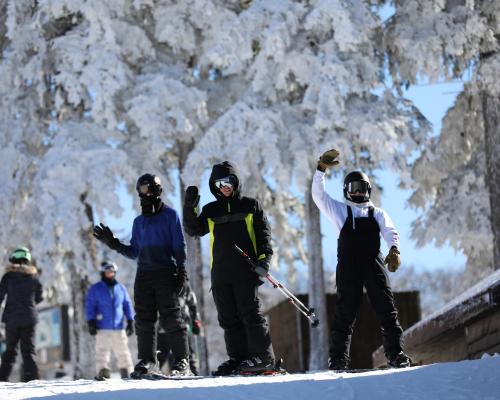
x=351, y=277
x=25, y=335
x=166, y=355
x=246, y=331
x=155, y=295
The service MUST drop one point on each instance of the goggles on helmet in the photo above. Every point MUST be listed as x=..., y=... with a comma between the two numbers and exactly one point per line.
x=357, y=186
x=143, y=189
x=228, y=181
x=109, y=266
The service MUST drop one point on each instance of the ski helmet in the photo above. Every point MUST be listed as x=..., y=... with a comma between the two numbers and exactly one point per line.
x=109, y=266
x=148, y=183
x=357, y=181
x=21, y=255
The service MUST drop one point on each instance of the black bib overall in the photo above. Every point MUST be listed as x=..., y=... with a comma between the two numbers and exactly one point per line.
x=360, y=264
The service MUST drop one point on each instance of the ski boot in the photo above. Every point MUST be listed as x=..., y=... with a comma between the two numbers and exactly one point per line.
x=124, y=373
x=256, y=366
x=144, y=368
x=181, y=368
x=338, y=364
x=227, y=367
x=103, y=374
x=193, y=366
x=399, y=360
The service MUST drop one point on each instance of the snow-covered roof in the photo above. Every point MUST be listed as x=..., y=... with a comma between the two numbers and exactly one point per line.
x=468, y=304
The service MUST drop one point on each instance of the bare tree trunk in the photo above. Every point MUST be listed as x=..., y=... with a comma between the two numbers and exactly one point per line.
x=491, y=115
x=195, y=265
x=318, y=354
x=82, y=343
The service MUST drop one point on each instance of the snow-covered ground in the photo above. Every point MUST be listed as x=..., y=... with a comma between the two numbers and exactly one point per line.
x=466, y=380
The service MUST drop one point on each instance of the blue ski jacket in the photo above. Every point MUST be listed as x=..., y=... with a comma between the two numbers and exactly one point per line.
x=108, y=305
x=157, y=242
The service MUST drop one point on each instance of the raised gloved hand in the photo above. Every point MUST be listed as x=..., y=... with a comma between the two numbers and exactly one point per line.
x=328, y=159
x=180, y=279
x=196, y=328
x=105, y=235
x=129, y=330
x=192, y=197
x=262, y=267
x=92, y=326
x=393, y=259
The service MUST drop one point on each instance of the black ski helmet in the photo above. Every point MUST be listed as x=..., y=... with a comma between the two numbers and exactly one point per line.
x=357, y=176
x=148, y=183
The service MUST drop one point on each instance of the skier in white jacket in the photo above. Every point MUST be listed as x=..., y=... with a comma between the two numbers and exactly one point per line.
x=360, y=263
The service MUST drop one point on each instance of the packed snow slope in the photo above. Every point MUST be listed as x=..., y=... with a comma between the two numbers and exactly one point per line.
x=479, y=379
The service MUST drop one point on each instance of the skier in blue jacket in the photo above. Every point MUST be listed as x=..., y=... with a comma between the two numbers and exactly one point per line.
x=158, y=245
x=108, y=303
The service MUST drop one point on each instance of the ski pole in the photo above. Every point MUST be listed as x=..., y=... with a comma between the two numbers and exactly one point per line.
x=301, y=307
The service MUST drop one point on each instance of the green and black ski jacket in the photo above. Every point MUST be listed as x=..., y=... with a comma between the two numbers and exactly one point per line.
x=236, y=220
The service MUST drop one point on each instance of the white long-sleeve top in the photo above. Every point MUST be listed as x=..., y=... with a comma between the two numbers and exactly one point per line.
x=336, y=211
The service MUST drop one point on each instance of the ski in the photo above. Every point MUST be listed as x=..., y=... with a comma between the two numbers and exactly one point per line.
x=356, y=371
x=158, y=377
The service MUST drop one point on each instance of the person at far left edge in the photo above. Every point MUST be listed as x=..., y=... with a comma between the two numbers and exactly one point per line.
x=158, y=245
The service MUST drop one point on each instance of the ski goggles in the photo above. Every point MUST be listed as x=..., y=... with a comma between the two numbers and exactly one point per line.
x=357, y=186
x=228, y=181
x=109, y=266
x=143, y=189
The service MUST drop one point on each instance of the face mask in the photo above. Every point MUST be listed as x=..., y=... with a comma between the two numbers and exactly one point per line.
x=108, y=281
x=358, y=199
x=150, y=205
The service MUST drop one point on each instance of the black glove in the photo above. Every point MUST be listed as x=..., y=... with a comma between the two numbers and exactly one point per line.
x=129, y=330
x=105, y=235
x=262, y=267
x=180, y=279
x=92, y=327
x=192, y=197
x=196, y=327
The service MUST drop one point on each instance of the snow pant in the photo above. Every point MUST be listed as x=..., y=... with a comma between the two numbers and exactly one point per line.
x=155, y=294
x=107, y=341
x=350, y=281
x=246, y=331
x=25, y=335
x=360, y=264
x=165, y=354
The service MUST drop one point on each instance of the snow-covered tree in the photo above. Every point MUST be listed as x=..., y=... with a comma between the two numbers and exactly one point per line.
x=458, y=181
x=61, y=68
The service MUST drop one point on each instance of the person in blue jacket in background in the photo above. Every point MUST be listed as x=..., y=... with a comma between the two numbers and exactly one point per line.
x=160, y=249
x=108, y=303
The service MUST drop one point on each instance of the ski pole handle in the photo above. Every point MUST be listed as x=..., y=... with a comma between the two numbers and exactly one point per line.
x=246, y=256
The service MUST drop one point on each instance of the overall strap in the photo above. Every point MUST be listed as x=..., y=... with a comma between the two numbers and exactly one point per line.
x=371, y=211
x=349, y=213
x=350, y=220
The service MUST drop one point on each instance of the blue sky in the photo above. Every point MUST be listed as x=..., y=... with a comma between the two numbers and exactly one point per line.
x=433, y=101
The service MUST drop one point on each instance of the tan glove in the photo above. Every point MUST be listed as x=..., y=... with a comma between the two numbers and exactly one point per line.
x=393, y=259
x=328, y=159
